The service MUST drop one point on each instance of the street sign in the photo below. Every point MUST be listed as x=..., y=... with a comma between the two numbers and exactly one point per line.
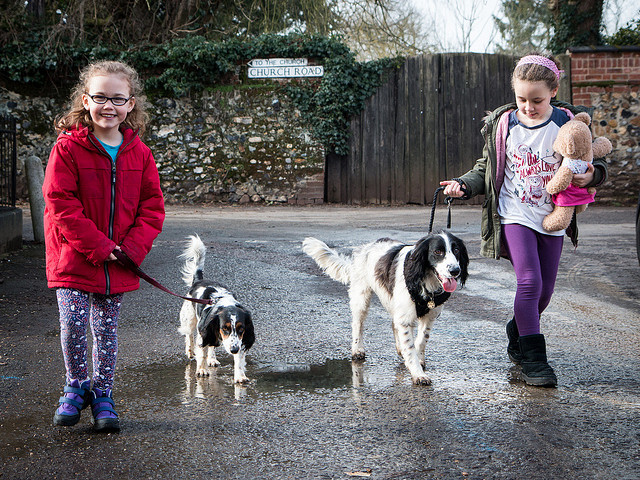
x=286, y=72
x=278, y=62
x=283, y=68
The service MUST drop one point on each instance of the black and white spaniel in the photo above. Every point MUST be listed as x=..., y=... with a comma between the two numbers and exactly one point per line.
x=411, y=281
x=225, y=322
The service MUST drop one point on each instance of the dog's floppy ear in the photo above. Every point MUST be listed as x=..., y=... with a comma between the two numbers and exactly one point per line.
x=416, y=265
x=249, y=335
x=209, y=327
x=463, y=258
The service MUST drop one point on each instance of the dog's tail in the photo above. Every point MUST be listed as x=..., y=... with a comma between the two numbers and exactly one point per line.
x=194, y=256
x=331, y=262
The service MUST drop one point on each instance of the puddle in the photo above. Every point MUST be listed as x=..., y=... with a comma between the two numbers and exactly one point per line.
x=331, y=375
x=176, y=382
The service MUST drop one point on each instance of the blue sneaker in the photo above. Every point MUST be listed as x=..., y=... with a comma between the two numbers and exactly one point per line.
x=105, y=418
x=76, y=397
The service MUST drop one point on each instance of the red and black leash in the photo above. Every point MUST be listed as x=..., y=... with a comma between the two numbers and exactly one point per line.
x=129, y=264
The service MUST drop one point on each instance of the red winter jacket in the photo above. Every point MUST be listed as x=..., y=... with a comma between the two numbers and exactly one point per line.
x=92, y=205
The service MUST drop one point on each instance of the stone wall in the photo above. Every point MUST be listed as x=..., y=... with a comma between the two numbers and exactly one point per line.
x=608, y=79
x=241, y=145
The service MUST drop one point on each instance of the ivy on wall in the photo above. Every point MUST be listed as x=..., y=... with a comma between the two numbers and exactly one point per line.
x=341, y=94
x=193, y=64
x=574, y=26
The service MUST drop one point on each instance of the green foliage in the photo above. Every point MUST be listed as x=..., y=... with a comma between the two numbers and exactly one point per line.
x=28, y=63
x=627, y=35
x=193, y=64
x=346, y=86
x=174, y=67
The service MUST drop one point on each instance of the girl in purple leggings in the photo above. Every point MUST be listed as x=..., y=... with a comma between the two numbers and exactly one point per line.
x=518, y=161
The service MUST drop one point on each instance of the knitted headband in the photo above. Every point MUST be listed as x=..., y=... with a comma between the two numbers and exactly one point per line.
x=540, y=60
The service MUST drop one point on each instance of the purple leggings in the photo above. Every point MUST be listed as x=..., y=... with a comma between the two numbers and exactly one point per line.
x=77, y=308
x=535, y=258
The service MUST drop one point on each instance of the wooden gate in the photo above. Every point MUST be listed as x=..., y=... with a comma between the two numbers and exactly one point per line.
x=421, y=127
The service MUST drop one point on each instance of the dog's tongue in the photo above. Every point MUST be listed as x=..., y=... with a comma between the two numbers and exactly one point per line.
x=449, y=284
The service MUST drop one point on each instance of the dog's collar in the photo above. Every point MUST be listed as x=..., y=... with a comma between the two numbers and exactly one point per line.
x=435, y=298
x=432, y=300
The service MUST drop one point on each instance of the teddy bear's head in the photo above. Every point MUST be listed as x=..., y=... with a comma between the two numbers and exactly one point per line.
x=574, y=139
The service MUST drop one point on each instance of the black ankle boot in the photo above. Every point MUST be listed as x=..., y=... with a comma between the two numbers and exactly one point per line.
x=535, y=369
x=513, y=348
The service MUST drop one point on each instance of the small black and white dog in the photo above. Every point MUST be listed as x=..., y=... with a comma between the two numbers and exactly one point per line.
x=411, y=281
x=225, y=322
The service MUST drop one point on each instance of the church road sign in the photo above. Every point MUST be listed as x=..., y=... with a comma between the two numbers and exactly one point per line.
x=283, y=68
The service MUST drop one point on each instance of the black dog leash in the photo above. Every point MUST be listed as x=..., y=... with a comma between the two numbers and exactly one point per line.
x=129, y=264
x=448, y=201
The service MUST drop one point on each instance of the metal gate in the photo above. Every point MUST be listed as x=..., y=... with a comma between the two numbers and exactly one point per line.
x=8, y=161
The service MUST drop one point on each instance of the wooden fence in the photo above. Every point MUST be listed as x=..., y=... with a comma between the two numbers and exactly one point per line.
x=421, y=127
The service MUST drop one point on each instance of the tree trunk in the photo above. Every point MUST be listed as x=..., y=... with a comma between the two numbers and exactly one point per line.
x=576, y=22
x=36, y=8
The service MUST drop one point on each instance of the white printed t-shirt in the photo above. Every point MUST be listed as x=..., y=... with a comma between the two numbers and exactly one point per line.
x=530, y=164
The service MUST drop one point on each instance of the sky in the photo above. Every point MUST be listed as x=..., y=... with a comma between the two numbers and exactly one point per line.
x=483, y=35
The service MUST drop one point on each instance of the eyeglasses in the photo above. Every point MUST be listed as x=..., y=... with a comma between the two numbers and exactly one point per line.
x=117, y=101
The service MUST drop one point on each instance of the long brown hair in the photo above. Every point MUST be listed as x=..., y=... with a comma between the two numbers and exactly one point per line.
x=77, y=115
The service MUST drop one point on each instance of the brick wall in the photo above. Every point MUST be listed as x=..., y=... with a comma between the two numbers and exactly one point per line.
x=608, y=79
x=310, y=191
x=603, y=70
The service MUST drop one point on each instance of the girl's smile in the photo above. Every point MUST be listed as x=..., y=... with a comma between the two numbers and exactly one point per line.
x=534, y=101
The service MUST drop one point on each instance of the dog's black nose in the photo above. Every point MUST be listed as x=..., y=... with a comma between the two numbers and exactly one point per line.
x=454, y=271
x=235, y=349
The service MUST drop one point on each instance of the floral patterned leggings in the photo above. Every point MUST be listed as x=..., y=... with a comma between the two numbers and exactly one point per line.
x=77, y=308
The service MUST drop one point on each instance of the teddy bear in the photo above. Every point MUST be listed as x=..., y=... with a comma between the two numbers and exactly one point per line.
x=574, y=143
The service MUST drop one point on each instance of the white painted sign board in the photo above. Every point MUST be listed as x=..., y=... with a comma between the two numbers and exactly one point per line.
x=283, y=68
x=278, y=62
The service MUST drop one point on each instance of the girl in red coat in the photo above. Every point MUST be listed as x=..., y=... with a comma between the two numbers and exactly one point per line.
x=102, y=193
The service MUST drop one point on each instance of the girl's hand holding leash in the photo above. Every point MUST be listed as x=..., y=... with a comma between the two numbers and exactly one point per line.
x=452, y=188
x=111, y=256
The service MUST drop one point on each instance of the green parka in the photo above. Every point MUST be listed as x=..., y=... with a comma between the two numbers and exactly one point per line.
x=485, y=179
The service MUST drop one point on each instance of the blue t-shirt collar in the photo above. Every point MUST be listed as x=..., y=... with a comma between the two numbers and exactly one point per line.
x=111, y=150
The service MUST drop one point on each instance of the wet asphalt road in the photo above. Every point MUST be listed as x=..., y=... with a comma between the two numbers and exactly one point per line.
x=309, y=413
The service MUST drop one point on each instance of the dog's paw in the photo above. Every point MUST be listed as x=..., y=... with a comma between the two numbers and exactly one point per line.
x=213, y=363
x=422, y=380
x=241, y=380
x=202, y=372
